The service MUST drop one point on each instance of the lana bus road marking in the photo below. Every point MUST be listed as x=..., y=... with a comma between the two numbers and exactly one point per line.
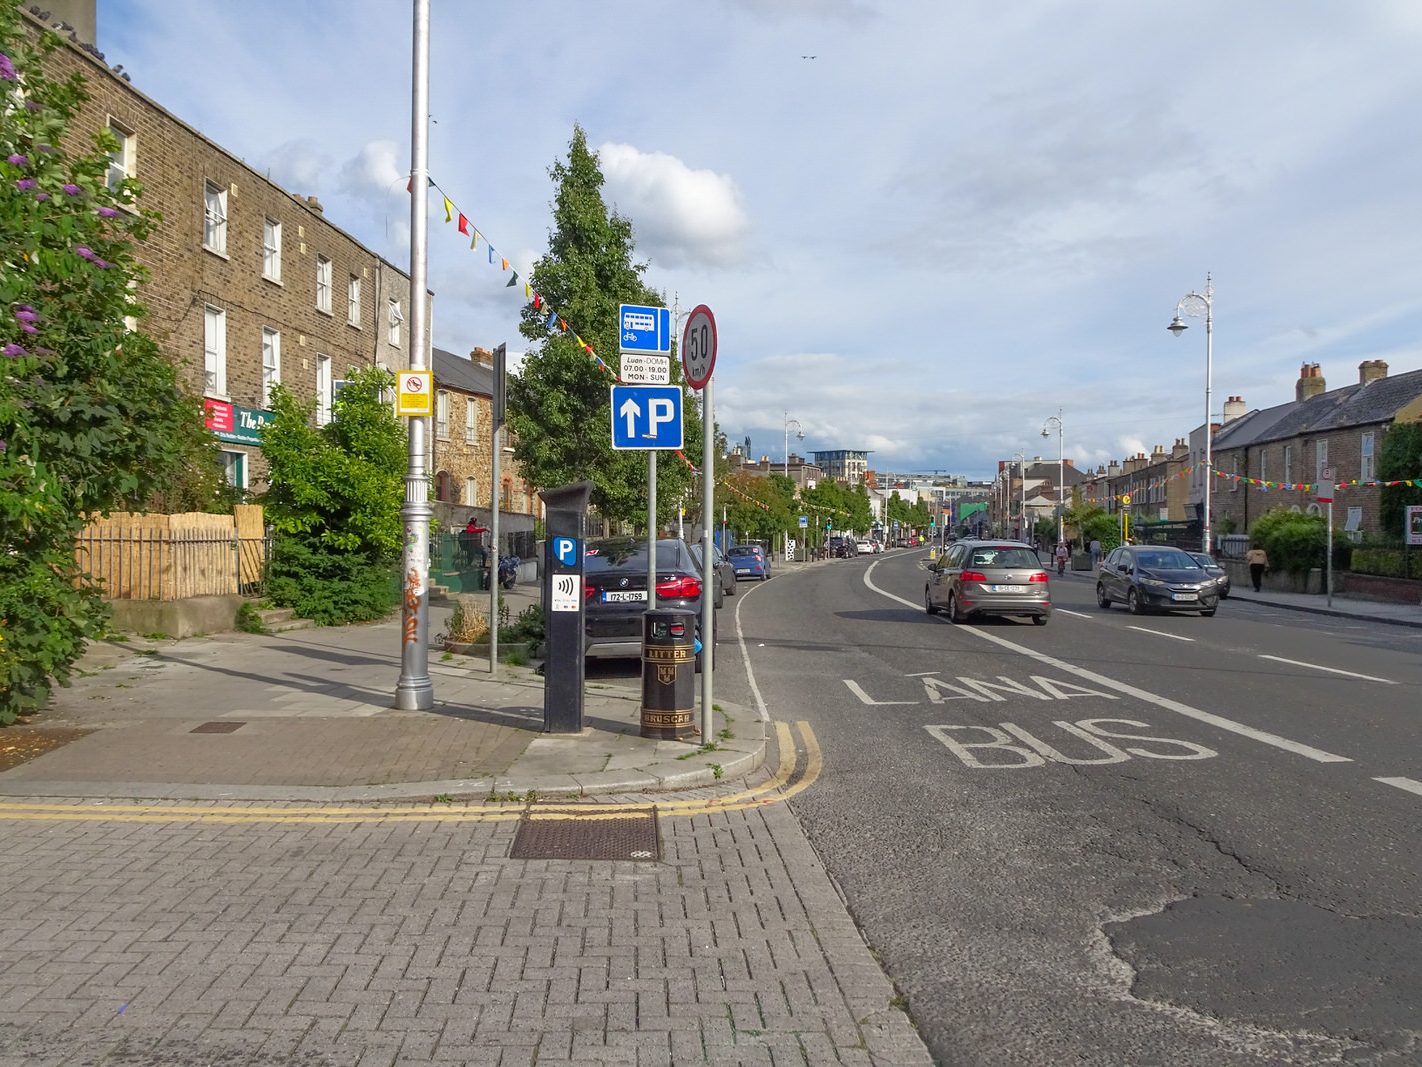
x=1330, y=670
x=781, y=786
x=1217, y=721
x=1034, y=752
x=982, y=690
x=1160, y=633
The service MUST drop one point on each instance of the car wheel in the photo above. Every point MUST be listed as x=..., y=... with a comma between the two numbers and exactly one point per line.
x=954, y=613
x=928, y=602
x=1039, y=620
x=1133, y=603
x=1101, y=598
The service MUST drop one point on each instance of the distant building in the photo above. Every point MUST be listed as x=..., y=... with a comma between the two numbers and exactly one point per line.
x=843, y=464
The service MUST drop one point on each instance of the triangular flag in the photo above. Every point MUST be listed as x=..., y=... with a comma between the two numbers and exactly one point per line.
x=537, y=301
x=552, y=320
x=491, y=253
x=474, y=241
x=513, y=280
x=463, y=224
x=528, y=291
x=505, y=263
x=563, y=325
x=410, y=185
x=448, y=209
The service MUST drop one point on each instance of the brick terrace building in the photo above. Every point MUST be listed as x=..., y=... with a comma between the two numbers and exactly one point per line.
x=248, y=284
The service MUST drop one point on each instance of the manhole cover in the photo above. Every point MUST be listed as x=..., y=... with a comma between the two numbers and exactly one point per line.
x=565, y=835
x=217, y=728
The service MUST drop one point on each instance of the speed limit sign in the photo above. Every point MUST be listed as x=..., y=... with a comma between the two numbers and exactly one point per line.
x=698, y=347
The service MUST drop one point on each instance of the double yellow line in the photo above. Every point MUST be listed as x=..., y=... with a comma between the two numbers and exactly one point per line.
x=782, y=785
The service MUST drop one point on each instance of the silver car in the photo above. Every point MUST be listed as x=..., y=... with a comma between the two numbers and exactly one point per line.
x=988, y=578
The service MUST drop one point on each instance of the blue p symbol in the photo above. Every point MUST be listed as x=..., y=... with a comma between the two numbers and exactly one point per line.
x=565, y=550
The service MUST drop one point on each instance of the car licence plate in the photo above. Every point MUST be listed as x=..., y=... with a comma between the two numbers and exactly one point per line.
x=623, y=596
x=743, y=570
x=1184, y=596
x=1007, y=588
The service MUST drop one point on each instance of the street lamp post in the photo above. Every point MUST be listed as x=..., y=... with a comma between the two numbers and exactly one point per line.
x=1021, y=458
x=1195, y=304
x=799, y=436
x=1061, y=474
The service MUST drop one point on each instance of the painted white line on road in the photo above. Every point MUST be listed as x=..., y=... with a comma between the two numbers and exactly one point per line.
x=1412, y=785
x=857, y=690
x=1078, y=614
x=745, y=658
x=1217, y=721
x=1330, y=670
x=1161, y=633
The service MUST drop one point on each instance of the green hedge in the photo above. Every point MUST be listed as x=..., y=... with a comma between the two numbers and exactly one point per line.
x=1385, y=562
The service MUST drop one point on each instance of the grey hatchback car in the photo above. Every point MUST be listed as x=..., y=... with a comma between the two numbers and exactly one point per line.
x=988, y=578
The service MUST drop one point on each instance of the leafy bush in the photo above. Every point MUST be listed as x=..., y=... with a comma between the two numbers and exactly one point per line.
x=91, y=415
x=1399, y=459
x=527, y=628
x=1384, y=562
x=1294, y=542
x=334, y=500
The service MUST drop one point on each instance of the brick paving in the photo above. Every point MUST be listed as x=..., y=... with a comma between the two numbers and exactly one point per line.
x=384, y=942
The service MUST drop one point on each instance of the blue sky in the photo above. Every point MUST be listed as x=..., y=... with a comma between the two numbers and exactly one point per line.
x=950, y=222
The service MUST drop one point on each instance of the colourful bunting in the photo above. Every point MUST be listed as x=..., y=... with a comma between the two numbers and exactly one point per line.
x=448, y=209
x=464, y=226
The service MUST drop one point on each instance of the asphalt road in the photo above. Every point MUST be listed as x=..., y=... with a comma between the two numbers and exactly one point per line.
x=1112, y=839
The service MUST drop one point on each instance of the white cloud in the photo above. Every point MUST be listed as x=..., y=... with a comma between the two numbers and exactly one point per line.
x=680, y=216
x=374, y=171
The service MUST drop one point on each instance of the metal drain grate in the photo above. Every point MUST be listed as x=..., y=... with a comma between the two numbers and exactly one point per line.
x=565, y=835
x=217, y=728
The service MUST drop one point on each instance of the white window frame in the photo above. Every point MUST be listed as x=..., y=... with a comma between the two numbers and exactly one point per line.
x=1367, y=457
x=123, y=159
x=271, y=250
x=1263, y=467
x=214, y=217
x=234, y=468
x=353, y=302
x=471, y=491
x=1320, y=458
x=214, y=351
x=471, y=419
x=442, y=414
x=396, y=317
x=325, y=389
x=323, y=285
x=271, y=363
x=1288, y=464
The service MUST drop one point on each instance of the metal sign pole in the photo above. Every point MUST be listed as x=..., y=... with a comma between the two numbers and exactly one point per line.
x=708, y=617
x=1330, y=554
x=494, y=550
x=651, y=528
x=414, y=691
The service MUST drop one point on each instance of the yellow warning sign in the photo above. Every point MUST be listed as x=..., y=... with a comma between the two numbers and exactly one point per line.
x=414, y=395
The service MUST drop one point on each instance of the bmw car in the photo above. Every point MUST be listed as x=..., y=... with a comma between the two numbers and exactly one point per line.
x=615, y=591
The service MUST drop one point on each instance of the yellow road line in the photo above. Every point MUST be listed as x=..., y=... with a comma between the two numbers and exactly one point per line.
x=777, y=788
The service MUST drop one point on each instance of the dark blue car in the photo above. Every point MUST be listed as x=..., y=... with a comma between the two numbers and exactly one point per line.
x=749, y=561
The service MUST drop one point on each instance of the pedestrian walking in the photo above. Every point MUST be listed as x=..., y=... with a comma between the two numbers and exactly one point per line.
x=1095, y=550
x=1258, y=561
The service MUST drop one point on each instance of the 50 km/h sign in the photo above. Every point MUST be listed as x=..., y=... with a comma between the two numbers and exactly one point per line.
x=698, y=347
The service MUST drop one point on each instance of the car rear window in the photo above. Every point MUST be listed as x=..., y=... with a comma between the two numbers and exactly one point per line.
x=1003, y=557
x=629, y=555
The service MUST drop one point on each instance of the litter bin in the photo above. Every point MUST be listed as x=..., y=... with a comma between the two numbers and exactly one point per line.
x=668, y=673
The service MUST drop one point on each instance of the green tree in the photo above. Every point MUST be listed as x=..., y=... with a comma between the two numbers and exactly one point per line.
x=755, y=508
x=559, y=401
x=91, y=416
x=334, y=501
x=1400, y=459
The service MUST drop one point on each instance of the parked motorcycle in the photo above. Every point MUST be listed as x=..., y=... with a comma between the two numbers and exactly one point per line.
x=508, y=571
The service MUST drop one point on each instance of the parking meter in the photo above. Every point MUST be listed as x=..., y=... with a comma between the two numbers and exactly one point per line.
x=563, y=671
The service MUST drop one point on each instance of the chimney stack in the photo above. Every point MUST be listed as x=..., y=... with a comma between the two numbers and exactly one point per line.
x=482, y=355
x=1234, y=408
x=1157, y=454
x=1180, y=450
x=1370, y=370
x=315, y=205
x=1310, y=383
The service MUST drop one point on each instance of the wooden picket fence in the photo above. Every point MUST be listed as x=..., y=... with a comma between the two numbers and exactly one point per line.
x=133, y=556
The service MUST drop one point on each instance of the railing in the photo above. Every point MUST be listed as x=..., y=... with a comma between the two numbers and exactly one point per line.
x=173, y=557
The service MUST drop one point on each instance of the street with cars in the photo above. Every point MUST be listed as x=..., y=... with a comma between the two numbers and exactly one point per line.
x=1149, y=837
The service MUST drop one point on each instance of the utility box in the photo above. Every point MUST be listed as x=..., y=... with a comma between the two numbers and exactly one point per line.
x=564, y=638
x=669, y=673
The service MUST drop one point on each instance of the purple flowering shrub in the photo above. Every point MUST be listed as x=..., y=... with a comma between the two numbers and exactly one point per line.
x=91, y=416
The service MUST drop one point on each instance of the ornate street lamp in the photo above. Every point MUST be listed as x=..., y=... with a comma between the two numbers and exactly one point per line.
x=1061, y=474
x=1197, y=304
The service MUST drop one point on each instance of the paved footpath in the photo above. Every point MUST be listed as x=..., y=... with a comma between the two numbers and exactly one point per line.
x=334, y=883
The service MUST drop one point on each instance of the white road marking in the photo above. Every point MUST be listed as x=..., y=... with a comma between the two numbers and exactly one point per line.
x=1217, y=721
x=1412, y=785
x=1078, y=614
x=857, y=690
x=1330, y=670
x=745, y=658
x=1160, y=633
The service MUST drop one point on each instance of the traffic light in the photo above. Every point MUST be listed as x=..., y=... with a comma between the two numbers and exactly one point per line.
x=829, y=524
x=932, y=520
